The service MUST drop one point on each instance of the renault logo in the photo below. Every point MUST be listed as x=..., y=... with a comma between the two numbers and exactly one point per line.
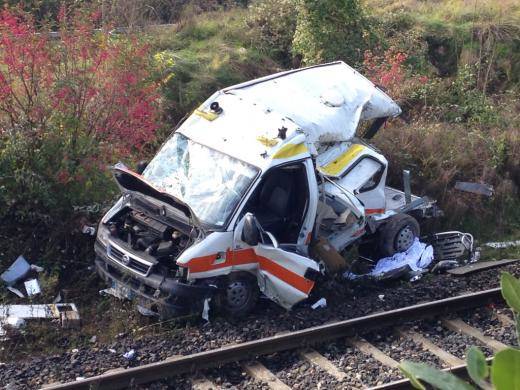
x=125, y=259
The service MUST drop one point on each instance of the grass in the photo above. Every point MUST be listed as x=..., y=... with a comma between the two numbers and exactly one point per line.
x=450, y=11
x=216, y=49
x=210, y=51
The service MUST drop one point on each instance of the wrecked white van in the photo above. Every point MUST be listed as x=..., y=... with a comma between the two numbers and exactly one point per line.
x=260, y=190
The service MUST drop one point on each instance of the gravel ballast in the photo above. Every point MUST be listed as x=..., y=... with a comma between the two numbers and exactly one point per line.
x=344, y=301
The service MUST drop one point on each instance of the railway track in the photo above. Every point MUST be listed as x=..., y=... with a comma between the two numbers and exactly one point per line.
x=327, y=351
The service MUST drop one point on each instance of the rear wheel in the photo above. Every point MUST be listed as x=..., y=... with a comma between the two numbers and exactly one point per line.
x=398, y=234
x=240, y=294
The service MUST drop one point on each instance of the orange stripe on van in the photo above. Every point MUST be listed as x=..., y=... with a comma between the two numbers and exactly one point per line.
x=248, y=256
x=374, y=211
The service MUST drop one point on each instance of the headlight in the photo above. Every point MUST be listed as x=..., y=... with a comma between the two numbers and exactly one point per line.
x=115, y=208
x=103, y=234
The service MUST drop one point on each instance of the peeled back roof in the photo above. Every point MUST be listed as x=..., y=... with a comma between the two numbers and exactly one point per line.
x=325, y=101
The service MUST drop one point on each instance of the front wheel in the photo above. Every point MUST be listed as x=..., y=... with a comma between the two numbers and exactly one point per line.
x=398, y=234
x=240, y=294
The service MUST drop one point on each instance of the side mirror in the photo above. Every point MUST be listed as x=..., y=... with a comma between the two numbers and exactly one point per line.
x=141, y=166
x=250, y=232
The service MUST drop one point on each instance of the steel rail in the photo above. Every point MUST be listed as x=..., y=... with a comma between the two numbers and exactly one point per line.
x=122, y=378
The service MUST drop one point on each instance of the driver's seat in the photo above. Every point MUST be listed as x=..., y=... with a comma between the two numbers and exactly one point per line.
x=273, y=209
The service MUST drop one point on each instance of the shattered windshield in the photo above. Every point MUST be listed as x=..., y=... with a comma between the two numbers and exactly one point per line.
x=210, y=182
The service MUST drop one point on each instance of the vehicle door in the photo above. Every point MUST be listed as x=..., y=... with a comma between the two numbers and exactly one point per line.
x=285, y=274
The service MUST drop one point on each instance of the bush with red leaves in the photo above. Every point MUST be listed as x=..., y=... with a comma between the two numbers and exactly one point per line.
x=71, y=102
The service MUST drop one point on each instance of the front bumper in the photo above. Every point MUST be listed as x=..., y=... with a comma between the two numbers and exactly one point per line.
x=167, y=297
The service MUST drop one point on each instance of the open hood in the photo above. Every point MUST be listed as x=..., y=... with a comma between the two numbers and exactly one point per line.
x=129, y=181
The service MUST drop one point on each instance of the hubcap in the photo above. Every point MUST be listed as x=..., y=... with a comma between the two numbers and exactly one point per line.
x=404, y=239
x=237, y=293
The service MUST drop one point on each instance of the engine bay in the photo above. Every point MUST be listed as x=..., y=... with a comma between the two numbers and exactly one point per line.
x=139, y=232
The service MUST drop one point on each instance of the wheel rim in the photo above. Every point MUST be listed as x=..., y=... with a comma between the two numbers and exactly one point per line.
x=404, y=239
x=237, y=294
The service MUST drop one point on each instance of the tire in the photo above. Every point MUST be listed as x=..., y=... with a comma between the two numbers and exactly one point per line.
x=240, y=294
x=398, y=234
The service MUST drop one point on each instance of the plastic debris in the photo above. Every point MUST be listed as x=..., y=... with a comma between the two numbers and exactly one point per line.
x=322, y=302
x=15, y=322
x=381, y=297
x=37, y=268
x=475, y=188
x=32, y=287
x=502, y=244
x=17, y=271
x=130, y=355
x=146, y=312
x=205, y=309
x=89, y=230
x=16, y=291
x=112, y=350
x=74, y=350
x=120, y=292
x=417, y=258
x=11, y=322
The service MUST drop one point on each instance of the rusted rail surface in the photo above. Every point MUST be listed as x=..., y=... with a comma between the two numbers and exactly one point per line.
x=301, y=338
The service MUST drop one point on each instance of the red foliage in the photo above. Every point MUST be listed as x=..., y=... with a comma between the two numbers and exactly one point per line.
x=387, y=70
x=87, y=86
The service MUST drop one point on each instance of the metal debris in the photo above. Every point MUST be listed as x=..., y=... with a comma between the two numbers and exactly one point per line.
x=115, y=292
x=453, y=245
x=67, y=313
x=475, y=188
x=502, y=244
x=205, y=309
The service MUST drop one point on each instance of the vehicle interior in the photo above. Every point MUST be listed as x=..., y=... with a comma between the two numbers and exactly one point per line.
x=279, y=203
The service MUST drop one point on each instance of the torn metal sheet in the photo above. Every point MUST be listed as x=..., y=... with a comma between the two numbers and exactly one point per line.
x=475, y=188
x=480, y=266
x=502, y=244
x=17, y=271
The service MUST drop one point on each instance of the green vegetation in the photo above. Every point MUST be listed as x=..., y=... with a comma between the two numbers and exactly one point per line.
x=454, y=67
x=331, y=30
x=208, y=52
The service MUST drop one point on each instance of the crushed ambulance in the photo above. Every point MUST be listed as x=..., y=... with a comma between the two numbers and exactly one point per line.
x=260, y=191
